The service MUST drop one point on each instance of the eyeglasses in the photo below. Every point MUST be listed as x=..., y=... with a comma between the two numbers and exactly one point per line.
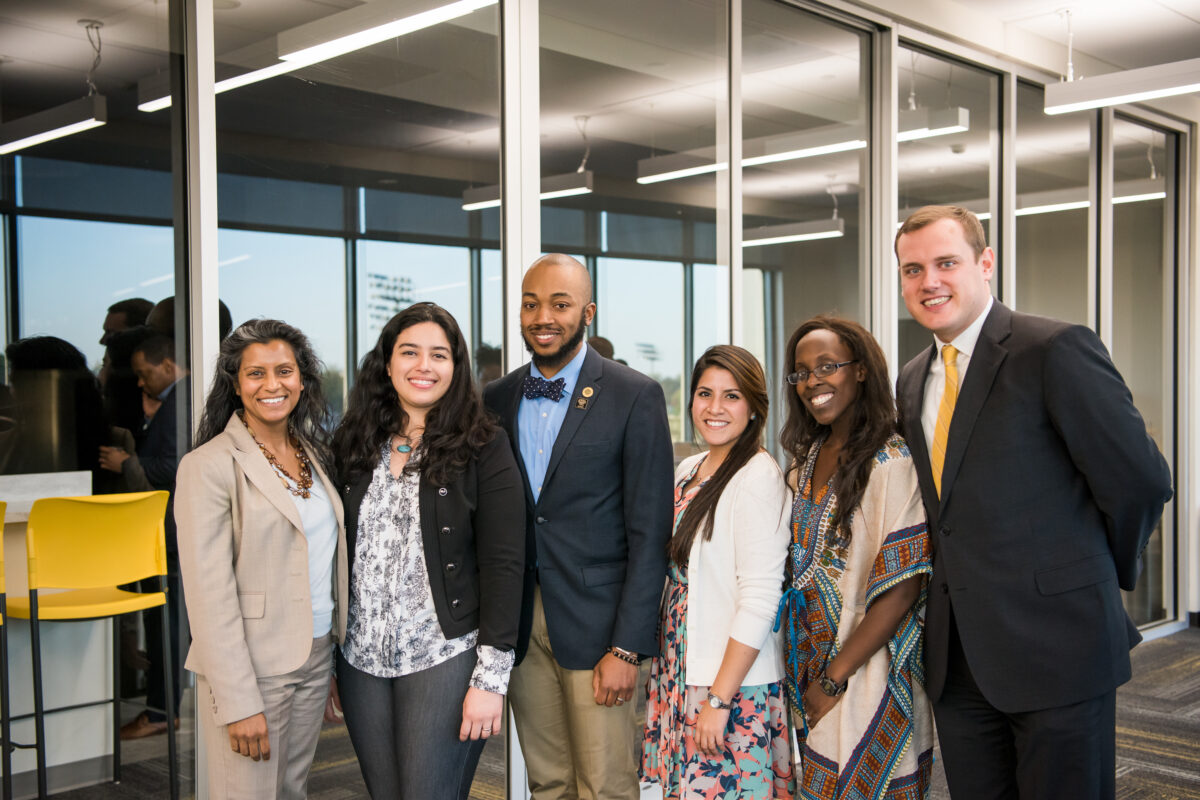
x=821, y=371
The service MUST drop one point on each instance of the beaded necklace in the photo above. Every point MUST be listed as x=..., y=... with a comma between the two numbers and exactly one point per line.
x=305, y=481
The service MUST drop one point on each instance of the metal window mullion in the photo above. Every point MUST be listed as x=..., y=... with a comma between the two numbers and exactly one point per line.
x=520, y=161
x=733, y=201
x=1101, y=222
x=201, y=280
x=520, y=223
x=1006, y=211
x=885, y=294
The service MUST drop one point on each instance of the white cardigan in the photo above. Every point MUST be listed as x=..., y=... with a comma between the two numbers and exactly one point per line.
x=735, y=579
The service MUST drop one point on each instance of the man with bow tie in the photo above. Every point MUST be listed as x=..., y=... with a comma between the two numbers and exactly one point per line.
x=592, y=440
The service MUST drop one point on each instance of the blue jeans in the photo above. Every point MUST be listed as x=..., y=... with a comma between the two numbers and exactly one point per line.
x=405, y=730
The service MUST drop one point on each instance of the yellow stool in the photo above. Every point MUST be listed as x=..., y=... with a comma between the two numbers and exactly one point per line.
x=90, y=546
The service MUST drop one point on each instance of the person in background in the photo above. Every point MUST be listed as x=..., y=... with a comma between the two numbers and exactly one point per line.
x=716, y=716
x=1043, y=486
x=166, y=382
x=856, y=573
x=601, y=345
x=594, y=441
x=123, y=315
x=435, y=522
x=263, y=553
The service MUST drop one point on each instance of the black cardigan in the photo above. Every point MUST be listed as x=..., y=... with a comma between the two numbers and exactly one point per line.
x=473, y=532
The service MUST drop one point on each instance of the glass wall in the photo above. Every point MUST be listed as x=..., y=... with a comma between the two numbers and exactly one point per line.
x=632, y=97
x=91, y=243
x=948, y=151
x=1143, y=325
x=1052, y=209
x=805, y=117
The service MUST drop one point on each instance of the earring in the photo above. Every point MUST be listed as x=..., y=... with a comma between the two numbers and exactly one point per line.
x=754, y=416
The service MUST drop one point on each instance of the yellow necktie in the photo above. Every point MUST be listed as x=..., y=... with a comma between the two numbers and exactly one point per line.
x=941, y=433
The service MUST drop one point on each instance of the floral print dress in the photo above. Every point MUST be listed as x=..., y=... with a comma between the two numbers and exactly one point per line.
x=757, y=763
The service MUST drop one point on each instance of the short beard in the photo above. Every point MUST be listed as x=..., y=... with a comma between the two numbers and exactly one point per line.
x=560, y=356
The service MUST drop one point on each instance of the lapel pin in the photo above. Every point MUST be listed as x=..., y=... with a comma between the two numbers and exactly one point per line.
x=587, y=391
x=581, y=403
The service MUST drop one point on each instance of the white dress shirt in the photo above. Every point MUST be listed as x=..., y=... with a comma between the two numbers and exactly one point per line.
x=935, y=382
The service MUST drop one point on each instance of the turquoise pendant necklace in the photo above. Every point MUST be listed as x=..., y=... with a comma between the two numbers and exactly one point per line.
x=406, y=446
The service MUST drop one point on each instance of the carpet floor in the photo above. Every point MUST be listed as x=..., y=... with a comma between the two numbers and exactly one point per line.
x=1158, y=742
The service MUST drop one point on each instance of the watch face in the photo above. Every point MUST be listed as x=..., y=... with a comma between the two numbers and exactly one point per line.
x=714, y=701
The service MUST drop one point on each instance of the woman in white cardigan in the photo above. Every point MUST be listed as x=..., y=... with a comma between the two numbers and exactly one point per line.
x=716, y=715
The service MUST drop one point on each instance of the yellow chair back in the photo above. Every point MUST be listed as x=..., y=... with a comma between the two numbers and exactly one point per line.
x=97, y=541
x=3, y=511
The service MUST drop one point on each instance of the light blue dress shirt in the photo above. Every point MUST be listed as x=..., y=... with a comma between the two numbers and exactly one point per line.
x=538, y=422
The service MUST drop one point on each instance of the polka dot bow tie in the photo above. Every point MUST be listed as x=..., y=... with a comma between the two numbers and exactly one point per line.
x=535, y=387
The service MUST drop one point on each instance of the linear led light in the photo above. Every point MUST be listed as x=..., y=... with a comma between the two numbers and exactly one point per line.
x=1138, y=198
x=307, y=56
x=381, y=33
x=794, y=232
x=926, y=123
x=1129, y=86
x=566, y=185
x=53, y=123
x=919, y=124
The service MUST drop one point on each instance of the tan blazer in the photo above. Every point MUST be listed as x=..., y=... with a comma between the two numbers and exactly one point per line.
x=244, y=559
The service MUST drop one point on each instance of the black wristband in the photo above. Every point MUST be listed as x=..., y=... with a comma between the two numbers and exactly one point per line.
x=624, y=655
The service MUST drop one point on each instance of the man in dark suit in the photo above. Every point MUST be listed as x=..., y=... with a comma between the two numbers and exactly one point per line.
x=1042, y=487
x=162, y=380
x=592, y=440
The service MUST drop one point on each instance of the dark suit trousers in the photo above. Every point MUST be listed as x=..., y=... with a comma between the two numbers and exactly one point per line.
x=1064, y=753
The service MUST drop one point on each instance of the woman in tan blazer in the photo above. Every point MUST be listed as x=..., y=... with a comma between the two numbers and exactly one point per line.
x=263, y=555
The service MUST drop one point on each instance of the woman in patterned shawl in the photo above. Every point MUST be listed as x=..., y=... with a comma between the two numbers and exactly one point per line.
x=716, y=716
x=435, y=531
x=859, y=560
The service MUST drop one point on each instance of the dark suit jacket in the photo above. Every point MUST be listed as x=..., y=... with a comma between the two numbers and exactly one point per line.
x=159, y=452
x=596, y=537
x=472, y=531
x=1050, y=489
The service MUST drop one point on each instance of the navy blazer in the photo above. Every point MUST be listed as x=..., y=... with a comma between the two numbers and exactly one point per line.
x=1051, y=488
x=472, y=531
x=596, y=537
x=159, y=453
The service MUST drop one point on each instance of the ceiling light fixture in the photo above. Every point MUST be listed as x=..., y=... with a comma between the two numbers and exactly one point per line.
x=54, y=123
x=918, y=124
x=566, y=185
x=90, y=111
x=832, y=228
x=1130, y=86
x=296, y=56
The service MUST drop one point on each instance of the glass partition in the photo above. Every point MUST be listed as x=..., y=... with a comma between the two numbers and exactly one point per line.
x=1143, y=324
x=1052, y=209
x=947, y=152
x=632, y=95
x=92, y=399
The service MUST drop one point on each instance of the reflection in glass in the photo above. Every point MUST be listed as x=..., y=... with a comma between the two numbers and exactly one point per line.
x=947, y=151
x=251, y=265
x=91, y=216
x=631, y=95
x=1052, y=214
x=644, y=325
x=804, y=124
x=1144, y=321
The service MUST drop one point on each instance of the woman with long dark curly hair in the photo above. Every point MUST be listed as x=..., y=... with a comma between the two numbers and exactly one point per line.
x=263, y=556
x=856, y=574
x=435, y=516
x=716, y=717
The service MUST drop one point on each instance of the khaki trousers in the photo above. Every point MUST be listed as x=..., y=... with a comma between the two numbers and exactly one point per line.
x=295, y=707
x=574, y=749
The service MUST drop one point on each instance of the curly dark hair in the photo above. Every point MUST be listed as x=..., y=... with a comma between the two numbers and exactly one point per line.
x=748, y=374
x=873, y=422
x=455, y=429
x=309, y=419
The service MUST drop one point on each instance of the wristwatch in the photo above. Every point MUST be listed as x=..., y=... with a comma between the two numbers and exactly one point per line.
x=718, y=703
x=829, y=687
